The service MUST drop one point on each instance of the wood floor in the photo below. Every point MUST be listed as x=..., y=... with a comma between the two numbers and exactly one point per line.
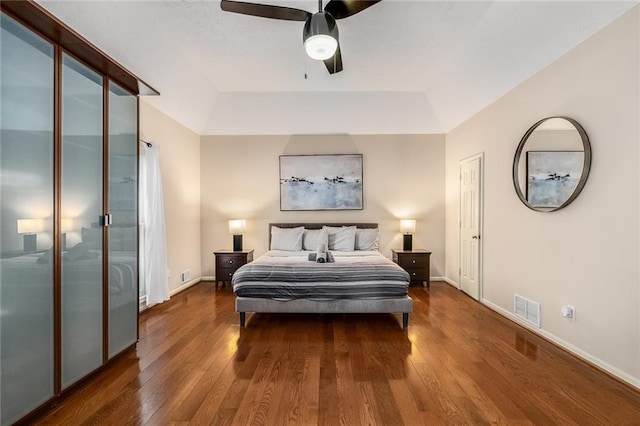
x=458, y=363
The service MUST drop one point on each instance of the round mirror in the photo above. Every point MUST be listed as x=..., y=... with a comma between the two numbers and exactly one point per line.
x=551, y=164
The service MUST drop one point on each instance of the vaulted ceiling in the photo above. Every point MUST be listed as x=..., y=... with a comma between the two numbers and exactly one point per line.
x=409, y=66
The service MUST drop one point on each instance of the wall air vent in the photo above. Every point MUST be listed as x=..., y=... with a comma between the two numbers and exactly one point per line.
x=527, y=309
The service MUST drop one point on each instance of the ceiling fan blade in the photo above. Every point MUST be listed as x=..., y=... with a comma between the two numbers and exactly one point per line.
x=340, y=9
x=265, y=10
x=334, y=64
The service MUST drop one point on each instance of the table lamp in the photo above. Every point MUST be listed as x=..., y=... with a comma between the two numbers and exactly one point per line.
x=408, y=228
x=237, y=228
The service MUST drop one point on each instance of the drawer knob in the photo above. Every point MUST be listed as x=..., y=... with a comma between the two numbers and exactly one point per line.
x=231, y=261
x=414, y=274
x=413, y=261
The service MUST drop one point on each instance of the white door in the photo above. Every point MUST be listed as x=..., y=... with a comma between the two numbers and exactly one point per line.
x=470, y=225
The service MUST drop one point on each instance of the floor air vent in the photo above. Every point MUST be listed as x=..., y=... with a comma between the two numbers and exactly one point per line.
x=527, y=309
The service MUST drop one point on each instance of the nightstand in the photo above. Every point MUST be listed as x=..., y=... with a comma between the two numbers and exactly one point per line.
x=416, y=262
x=228, y=261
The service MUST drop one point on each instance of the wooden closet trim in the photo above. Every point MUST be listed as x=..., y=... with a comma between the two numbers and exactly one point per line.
x=66, y=42
x=39, y=20
x=105, y=229
x=57, y=221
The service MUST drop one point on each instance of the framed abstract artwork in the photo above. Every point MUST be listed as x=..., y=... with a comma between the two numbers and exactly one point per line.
x=552, y=176
x=321, y=182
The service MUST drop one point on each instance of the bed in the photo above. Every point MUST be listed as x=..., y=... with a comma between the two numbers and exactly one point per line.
x=360, y=280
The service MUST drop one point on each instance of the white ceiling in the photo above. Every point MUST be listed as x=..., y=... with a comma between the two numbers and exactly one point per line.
x=409, y=66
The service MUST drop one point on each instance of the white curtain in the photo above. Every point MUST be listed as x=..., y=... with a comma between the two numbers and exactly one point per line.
x=154, y=254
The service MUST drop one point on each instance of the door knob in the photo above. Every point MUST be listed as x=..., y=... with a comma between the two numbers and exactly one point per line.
x=476, y=237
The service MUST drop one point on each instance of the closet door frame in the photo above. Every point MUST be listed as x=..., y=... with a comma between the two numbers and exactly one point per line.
x=57, y=222
x=67, y=42
x=39, y=20
x=57, y=243
x=105, y=228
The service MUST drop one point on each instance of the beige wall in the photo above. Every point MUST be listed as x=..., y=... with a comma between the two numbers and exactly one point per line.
x=179, y=150
x=587, y=254
x=403, y=178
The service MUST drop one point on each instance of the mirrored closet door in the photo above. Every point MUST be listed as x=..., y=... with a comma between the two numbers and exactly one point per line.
x=26, y=221
x=82, y=210
x=123, y=210
x=68, y=213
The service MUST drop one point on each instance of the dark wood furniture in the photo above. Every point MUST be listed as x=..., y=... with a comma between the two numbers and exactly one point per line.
x=228, y=261
x=416, y=262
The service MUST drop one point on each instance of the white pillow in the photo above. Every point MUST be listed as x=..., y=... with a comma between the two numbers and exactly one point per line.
x=341, y=239
x=288, y=239
x=367, y=239
x=312, y=238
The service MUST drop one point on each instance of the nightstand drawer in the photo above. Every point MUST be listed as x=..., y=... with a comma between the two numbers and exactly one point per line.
x=224, y=274
x=231, y=262
x=412, y=261
x=417, y=263
x=417, y=275
x=228, y=262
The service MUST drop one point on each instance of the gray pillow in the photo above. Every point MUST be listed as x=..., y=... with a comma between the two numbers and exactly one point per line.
x=342, y=238
x=312, y=238
x=367, y=239
x=288, y=239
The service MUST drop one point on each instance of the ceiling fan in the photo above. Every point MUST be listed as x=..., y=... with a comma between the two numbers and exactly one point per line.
x=320, y=34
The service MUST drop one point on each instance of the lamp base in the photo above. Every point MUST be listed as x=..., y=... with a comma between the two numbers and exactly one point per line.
x=237, y=243
x=407, y=242
x=30, y=243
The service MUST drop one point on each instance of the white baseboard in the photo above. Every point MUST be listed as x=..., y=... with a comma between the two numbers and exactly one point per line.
x=184, y=286
x=143, y=304
x=451, y=282
x=627, y=378
x=208, y=278
x=437, y=279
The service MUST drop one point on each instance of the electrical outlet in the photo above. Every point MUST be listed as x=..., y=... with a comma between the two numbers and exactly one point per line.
x=568, y=312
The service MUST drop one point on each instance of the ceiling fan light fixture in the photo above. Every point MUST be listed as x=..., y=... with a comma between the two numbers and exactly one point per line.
x=320, y=36
x=321, y=47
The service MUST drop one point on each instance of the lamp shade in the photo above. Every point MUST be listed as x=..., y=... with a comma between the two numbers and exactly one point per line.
x=237, y=227
x=408, y=226
x=29, y=226
x=320, y=36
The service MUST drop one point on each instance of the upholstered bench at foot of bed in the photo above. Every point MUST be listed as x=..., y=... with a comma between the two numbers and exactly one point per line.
x=403, y=305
